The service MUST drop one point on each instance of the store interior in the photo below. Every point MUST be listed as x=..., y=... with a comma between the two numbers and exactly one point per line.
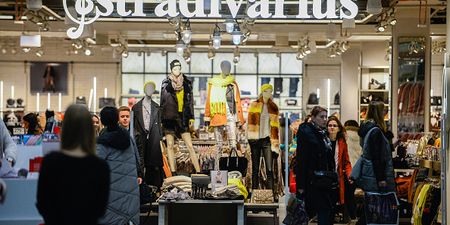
x=385, y=53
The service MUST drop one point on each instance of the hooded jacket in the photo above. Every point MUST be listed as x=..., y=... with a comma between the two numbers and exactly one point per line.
x=169, y=102
x=120, y=152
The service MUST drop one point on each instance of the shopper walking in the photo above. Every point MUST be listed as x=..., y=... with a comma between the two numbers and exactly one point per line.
x=118, y=149
x=377, y=175
x=124, y=117
x=31, y=124
x=73, y=184
x=336, y=133
x=316, y=175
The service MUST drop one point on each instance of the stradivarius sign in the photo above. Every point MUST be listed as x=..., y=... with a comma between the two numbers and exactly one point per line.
x=173, y=8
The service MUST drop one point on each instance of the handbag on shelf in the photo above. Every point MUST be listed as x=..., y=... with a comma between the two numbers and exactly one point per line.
x=262, y=196
x=234, y=163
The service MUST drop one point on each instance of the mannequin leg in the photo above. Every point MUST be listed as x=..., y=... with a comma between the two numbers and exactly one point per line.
x=231, y=130
x=256, y=155
x=187, y=139
x=268, y=159
x=170, y=152
x=219, y=144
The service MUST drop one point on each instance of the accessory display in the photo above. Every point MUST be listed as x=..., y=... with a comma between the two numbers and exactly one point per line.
x=218, y=96
x=20, y=103
x=200, y=185
x=262, y=196
x=337, y=99
x=234, y=163
x=10, y=103
x=376, y=85
x=80, y=100
x=291, y=102
x=313, y=99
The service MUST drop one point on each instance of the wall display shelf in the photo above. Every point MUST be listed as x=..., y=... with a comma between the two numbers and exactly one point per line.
x=375, y=85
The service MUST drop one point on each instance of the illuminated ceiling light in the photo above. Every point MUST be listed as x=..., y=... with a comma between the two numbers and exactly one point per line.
x=4, y=51
x=187, y=33
x=216, y=39
x=75, y=52
x=39, y=53
x=26, y=49
x=229, y=25
x=236, y=55
x=125, y=54
x=300, y=56
x=88, y=52
x=381, y=28
x=180, y=47
x=237, y=35
x=13, y=51
x=393, y=22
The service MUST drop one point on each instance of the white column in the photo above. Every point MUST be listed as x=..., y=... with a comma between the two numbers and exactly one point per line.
x=37, y=102
x=94, y=108
x=59, y=102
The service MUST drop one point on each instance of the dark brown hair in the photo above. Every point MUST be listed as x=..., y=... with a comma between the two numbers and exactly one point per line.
x=341, y=133
x=78, y=130
x=316, y=110
x=375, y=112
x=124, y=108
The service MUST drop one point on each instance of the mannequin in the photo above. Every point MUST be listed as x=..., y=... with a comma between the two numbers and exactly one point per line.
x=177, y=110
x=148, y=133
x=263, y=134
x=223, y=109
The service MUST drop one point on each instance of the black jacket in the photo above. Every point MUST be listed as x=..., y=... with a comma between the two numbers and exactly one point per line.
x=148, y=143
x=169, y=102
x=377, y=155
x=312, y=154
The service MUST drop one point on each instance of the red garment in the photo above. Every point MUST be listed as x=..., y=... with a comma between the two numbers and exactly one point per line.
x=344, y=168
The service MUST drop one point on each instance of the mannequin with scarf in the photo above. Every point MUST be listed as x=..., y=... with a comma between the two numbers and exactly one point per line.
x=177, y=111
x=148, y=133
x=223, y=109
x=263, y=134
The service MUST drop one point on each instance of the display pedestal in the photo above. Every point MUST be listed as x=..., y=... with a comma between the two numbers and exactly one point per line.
x=201, y=212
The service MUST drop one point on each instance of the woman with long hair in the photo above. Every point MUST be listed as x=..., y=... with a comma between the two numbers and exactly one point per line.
x=31, y=124
x=336, y=133
x=73, y=185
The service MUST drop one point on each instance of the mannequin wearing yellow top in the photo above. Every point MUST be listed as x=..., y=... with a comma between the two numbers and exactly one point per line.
x=177, y=106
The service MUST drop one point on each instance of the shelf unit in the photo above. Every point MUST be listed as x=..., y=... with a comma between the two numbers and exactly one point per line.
x=375, y=85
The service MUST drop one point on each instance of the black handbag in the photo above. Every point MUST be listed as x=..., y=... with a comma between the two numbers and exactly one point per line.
x=234, y=163
x=325, y=180
x=147, y=193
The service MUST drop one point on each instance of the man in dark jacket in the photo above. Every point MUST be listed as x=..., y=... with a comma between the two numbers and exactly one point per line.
x=314, y=155
x=148, y=133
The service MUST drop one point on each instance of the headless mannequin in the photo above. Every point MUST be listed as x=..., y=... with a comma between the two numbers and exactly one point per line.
x=263, y=145
x=230, y=128
x=186, y=136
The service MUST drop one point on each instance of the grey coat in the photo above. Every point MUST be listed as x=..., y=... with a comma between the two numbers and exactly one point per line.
x=121, y=155
x=8, y=148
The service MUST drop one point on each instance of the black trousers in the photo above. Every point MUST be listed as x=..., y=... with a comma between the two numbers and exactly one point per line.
x=154, y=175
x=258, y=147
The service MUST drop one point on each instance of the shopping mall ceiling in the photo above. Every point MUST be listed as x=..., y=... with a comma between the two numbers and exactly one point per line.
x=15, y=20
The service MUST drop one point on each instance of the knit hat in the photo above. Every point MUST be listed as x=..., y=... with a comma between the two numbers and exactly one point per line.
x=264, y=87
x=109, y=116
x=175, y=63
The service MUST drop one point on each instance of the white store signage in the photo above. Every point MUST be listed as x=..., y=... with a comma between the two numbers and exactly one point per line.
x=173, y=8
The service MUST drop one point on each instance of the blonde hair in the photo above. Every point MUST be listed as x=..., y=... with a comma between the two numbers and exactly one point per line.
x=375, y=113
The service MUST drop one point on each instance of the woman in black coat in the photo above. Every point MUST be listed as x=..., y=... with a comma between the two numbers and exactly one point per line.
x=316, y=177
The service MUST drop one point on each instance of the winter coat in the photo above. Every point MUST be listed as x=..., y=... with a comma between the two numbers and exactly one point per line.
x=116, y=147
x=375, y=164
x=254, y=116
x=219, y=119
x=344, y=168
x=354, y=149
x=148, y=143
x=312, y=154
x=169, y=102
x=8, y=148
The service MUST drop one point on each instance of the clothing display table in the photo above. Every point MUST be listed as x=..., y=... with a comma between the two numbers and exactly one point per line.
x=20, y=203
x=201, y=212
x=270, y=208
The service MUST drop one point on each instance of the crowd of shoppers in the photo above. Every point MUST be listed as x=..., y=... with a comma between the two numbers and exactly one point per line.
x=326, y=151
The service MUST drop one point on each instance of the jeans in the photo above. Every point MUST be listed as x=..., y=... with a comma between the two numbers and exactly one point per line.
x=230, y=131
x=293, y=86
x=257, y=147
x=265, y=80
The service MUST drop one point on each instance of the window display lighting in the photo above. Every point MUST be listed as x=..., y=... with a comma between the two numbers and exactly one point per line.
x=187, y=32
x=237, y=35
x=26, y=49
x=125, y=54
x=13, y=51
x=39, y=53
x=216, y=39
x=4, y=51
x=88, y=52
x=229, y=25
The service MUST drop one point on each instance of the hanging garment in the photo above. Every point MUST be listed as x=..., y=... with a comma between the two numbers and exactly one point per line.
x=420, y=204
x=278, y=87
x=293, y=86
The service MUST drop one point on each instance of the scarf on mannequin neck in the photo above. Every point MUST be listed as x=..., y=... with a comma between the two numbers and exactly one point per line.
x=177, y=82
x=218, y=96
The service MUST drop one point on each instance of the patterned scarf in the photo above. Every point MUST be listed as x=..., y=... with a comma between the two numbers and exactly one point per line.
x=218, y=96
x=177, y=82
